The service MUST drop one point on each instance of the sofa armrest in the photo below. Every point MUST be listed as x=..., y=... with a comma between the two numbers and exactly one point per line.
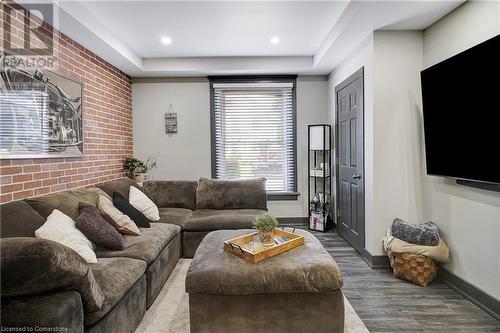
x=32, y=266
x=172, y=193
x=61, y=310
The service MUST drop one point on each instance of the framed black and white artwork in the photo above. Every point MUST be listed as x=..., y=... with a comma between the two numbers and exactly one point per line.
x=40, y=114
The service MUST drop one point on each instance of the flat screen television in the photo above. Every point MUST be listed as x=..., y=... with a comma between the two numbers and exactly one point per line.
x=461, y=108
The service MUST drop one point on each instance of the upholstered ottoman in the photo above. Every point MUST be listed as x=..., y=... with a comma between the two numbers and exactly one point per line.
x=296, y=291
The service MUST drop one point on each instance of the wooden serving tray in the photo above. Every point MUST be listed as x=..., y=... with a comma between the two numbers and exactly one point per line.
x=246, y=248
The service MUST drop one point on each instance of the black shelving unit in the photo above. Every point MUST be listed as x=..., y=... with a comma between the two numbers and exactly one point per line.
x=319, y=161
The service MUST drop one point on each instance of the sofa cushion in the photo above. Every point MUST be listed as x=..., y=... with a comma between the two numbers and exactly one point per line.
x=177, y=216
x=32, y=266
x=115, y=276
x=18, y=219
x=145, y=247
x=121, y=186
x=126, y=315
x=172, y=193
x=62, y=310
x=93, y=225
x=66, y=202
x=306, y=269
x=231, y=194
x=98, y=191
x=214, y=219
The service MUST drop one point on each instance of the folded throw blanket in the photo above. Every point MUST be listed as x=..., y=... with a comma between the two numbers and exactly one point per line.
x=421, y=234
x=439, y=252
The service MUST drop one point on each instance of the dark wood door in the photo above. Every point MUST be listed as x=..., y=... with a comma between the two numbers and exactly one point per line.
x=350, y=160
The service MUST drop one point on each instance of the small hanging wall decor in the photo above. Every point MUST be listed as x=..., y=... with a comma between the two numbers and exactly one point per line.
x=171, y=121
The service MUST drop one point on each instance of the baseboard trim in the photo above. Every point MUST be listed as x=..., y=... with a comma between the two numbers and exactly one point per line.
x=375, y=262
x=477, y=296
x=293, y=220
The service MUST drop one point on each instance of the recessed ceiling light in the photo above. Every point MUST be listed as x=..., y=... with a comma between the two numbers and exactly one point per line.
x=274, y=40
x=166, y=40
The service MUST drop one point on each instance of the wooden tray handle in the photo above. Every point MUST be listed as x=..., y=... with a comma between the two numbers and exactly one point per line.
x=236, y=245
x=288, y=226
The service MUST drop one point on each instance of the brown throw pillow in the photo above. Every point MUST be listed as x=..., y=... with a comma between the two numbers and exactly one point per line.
x=97, y=229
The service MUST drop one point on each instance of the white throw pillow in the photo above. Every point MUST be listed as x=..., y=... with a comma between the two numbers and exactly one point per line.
x=60, y=228
x=142, y=203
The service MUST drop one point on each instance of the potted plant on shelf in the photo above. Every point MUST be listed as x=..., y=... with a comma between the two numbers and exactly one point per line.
x=265, y=224
x=136, y=169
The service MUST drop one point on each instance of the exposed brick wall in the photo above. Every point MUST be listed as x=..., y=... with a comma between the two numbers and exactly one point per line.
x=107, y=122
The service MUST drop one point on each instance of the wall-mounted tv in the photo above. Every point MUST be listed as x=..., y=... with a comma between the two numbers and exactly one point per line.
x=461, y=107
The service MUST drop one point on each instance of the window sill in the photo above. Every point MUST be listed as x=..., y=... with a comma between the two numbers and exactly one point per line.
x=282, y=196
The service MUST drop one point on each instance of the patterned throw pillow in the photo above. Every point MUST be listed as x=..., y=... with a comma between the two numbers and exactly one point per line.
x=97, y=229
x=116, y=218
x=120, y=202
x=420, y=234
x=60, y=228
x=142, y=203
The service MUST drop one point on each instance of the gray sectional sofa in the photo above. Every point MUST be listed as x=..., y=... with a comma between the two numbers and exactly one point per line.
x=45, y=284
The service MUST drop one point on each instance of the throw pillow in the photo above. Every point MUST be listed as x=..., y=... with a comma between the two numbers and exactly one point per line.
x=421, y=234
x=142, y=203
x=116, y=218
x=61, y=229
x=97, y=229
x=126, y=208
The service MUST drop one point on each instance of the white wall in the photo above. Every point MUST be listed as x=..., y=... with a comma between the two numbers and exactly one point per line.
x=397, y=131
x=468, y=218
x=187, y=155
x=466, y=26
x=392, y=61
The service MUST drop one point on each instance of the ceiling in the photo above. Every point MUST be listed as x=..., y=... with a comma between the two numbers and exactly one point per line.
x=233, y=37
x=218, y=29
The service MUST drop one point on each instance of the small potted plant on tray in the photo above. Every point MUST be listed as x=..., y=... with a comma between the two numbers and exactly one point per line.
x=136, y=169
x=265, y=224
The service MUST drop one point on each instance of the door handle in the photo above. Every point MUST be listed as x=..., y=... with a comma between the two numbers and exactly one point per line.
x=356, y=176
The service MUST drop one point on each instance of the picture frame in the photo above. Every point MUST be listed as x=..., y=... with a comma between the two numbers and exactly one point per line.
x=171, y=122
x=41, y=114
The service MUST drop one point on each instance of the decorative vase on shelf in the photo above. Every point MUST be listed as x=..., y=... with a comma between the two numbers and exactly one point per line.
x=266, y=238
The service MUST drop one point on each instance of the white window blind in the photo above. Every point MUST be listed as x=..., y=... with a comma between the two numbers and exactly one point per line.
x=24, y=124
x=254, y=133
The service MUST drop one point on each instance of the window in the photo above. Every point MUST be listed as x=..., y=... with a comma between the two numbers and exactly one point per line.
x=253, y=131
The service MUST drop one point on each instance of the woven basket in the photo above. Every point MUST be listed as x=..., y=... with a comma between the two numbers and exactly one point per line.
x=413, y=267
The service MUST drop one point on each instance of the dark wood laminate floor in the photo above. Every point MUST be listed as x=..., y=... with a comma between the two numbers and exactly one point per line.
x=388, y=304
